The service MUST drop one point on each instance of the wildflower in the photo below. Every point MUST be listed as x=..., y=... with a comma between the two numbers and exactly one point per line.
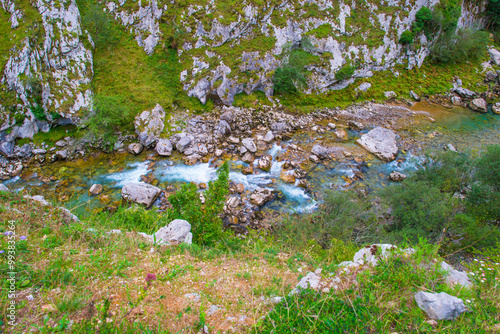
x=23, y=237
x=475, y=260
x=473, y=274
x=8, y=233
x=2, y=251
x=150, y=278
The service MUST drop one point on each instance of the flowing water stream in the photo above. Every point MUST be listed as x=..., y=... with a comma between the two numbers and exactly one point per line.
x=71, y=180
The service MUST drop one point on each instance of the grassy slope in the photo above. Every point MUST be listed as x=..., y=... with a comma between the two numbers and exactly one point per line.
x=76, y=271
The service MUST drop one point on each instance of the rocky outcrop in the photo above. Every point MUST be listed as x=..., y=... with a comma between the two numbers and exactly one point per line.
x=381, y=142
x=149, y=124
x=140, y=193
x=440, y=306
x=50, y=74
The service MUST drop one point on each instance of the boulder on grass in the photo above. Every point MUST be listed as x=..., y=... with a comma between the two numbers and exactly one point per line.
x=440, y=306
x=177, y=231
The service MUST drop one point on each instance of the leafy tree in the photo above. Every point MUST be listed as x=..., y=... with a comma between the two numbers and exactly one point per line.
x=423, y=21
x=97, y=23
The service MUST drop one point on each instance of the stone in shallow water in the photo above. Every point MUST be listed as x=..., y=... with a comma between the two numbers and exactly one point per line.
x=381, y=142
x=140, y=193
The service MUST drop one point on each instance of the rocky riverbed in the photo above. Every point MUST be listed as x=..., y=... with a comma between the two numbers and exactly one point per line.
x=278, y=161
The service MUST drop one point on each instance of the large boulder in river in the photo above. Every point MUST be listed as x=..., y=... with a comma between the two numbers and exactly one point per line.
x=149, y=124
x=320, y=151
x=140, y=193
x=177, y=231
x=261, y=196
x=381, y=142
x=478, y=105
x=249, y=144
x=164, y=147
x=184, y=143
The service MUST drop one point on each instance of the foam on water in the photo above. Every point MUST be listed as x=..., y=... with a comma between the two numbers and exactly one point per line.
x=275, y=150
x=251, y=182
x=298, y=198
x=131, y=174
x=199, y=173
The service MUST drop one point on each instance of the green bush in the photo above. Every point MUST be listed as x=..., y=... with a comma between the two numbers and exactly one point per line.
x=111, y=114
x=345, y=72
x=204, y=218
x=423, y=21
x=97, y=23
x=39, y=113
x=406, y=37
x=464, y=45
x=290, y=77
x=418, y=210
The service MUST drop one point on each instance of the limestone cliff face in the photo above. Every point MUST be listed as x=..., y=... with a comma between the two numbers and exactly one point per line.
x=225, y=57
x=52, y=71
x=225, y=48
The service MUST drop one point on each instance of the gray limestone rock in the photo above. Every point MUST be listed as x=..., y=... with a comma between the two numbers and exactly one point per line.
x=320, y=151
x=140, y=193
x=164, y=147
x=381, y=142
x=249, y=144
x=494, y=56
x=149, y=124
x=440, y=306
x=135, y=148
x=478, y=105
x=177, y=231
x=183, y=143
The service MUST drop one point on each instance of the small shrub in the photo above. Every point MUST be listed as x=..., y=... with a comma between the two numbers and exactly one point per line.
x=112, y=112
x=423, y=21
x=406, y=37
x=345, y=72
x=204, y=218
x=418, y=209
x=39, y=113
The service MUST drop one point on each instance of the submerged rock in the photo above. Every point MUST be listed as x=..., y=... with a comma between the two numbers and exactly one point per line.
x=440, y=306
x=96, y=189
x=140, y=193
x=381, y=142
